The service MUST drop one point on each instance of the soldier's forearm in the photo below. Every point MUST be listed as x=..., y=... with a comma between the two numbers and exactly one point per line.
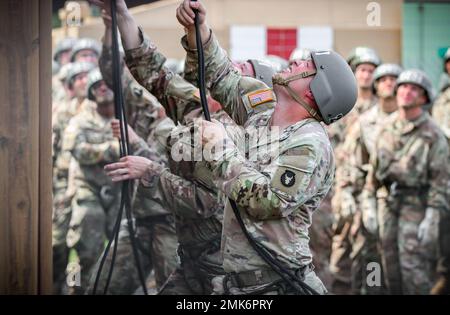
x=204, y=33
x=128, y=30
x=107, y=37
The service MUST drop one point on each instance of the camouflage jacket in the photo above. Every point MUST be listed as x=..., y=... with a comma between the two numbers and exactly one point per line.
x=176, y=95
x=197, y=208
x=89, y=138
x=61, y=158
x=277, y=183
x=441, y=112
x=143, y=109
x=357, y=148
x=412, y=156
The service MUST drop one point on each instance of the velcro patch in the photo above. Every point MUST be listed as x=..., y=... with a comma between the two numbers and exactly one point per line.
x=260, y=97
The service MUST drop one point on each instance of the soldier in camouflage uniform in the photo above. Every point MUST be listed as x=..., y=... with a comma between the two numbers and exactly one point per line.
x=363, y=62
x=279, y=189
x=155, y=230
x=61, y=57
x=95, y=204
x=357, y=150
x=76, y=81
x=199, y=233
x=409, y=174
x=441, y=114
x=86, y=50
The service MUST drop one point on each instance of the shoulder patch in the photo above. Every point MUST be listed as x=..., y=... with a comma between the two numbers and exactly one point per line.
x=288, y=178
x=260, y=97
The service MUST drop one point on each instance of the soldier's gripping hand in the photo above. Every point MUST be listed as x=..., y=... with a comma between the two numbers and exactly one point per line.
x=186, y=15
x=428, y=230
x=115, y=125
x=132, y=167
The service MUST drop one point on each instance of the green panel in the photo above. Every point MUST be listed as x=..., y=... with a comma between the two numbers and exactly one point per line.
x=426, y=32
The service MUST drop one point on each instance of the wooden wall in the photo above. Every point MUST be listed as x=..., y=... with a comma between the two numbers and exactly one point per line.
x=25, y=147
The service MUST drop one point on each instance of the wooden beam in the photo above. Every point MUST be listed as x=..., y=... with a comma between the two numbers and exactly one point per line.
x=25, y=181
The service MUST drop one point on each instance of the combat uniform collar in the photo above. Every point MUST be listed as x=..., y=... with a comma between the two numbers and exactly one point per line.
x=407, y=126
x=293, y=128
x=362, y=106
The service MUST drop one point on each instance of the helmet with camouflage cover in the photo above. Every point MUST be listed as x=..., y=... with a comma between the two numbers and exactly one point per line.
x=85, y=43
x=300, y=53
x=277, y=62
x=361, y=55
x=386, y=69
x=64, y=71
x=419, y=78
x=366, y=57
x=94, y=77
x=333, y=86
x=263, y=71
x=76, y=68
x=63, y=45
x=358, y=51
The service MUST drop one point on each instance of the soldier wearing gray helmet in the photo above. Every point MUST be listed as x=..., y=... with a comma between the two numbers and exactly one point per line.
x=89, y=139
x=300, y=53
x=76, y=81
x=363, y=61
x=408, y=175
x=357, y=149
x=87, y=50
x=441, y=114
x=277, y=193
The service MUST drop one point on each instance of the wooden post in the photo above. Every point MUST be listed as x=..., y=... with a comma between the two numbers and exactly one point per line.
x=25, y=147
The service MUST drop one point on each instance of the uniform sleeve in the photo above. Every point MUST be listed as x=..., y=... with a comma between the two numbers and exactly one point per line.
x=146, y=64
x=174, y=192
x=86, y=152
x=286, y=184
x=240, y=96
x=439, y=175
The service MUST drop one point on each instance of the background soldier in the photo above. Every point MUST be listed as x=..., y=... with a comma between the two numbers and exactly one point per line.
x=357, y=149
x=409, y=175
x=94, y=207
x=363, y=62
x=76, y=81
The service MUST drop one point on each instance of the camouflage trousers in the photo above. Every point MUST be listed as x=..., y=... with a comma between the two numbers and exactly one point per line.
x=340, y=262
x=320, y=240
x=156, y=242
x=225, y=285
x=194, y=275
x=92, y=222
x=388, y=241
x=62, y=213
x=417, y=263
x=364, y=252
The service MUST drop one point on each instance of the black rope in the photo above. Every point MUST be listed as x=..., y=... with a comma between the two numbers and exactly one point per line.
x=125, y=203
x=297, y=284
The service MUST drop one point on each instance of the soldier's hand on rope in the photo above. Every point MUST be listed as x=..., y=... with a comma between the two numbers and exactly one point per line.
x=115, y=125
x=131, y=167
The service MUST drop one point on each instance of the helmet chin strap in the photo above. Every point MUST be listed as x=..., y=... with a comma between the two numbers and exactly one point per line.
x=279, y=80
